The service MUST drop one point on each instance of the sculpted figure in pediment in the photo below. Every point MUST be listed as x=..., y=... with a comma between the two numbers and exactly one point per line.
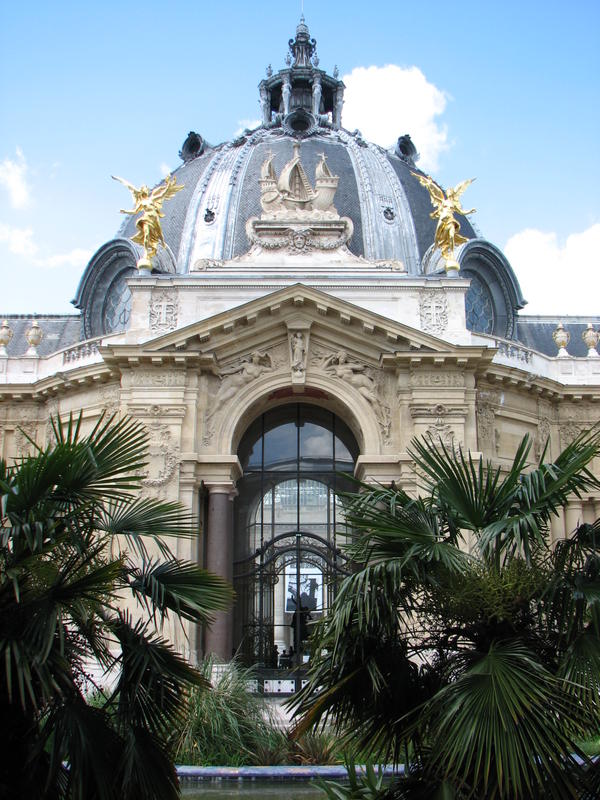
x=245, y=371
x=351, y=372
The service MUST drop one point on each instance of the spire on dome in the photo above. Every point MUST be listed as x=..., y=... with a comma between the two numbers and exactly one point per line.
x=302, y=47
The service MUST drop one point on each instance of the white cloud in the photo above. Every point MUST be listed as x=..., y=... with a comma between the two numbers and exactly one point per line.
x=387, y=102
x=557, y=278
x=78, y=257
x=244, y=124
x=165, y=169
x=12, y=178
x=18, y=240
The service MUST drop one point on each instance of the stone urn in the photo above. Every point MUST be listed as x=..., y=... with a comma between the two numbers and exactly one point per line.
x=590, y=337
x=561, y=340
x=34, y=336
x=6, y=335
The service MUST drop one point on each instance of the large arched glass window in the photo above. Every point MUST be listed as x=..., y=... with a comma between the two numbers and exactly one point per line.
x=289, y=525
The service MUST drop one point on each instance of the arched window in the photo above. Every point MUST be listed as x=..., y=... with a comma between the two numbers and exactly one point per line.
x=289, y=525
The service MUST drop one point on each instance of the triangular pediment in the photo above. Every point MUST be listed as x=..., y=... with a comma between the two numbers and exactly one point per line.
x=333, y=322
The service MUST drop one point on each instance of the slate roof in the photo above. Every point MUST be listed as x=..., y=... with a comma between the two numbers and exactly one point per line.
x=243, y=202
x=536, y=333
x=60, y=331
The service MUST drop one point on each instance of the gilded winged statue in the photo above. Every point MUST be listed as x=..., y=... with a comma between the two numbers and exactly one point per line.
x=149, y=205
x=446, y=205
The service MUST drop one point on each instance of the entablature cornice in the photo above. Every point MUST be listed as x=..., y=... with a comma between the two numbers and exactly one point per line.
x=129, y=356
x=518, y=379
x=463, y=357
x=59, y=383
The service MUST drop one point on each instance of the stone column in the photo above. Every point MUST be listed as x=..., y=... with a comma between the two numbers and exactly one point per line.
x=219, y=559
x=597, y=509
x=557, y=526
x=574, y=516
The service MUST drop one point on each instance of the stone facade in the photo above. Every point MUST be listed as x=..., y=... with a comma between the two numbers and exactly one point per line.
x=198, y=388
x=342, y=311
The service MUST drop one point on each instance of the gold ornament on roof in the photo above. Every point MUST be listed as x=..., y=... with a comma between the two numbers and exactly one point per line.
x=446, y=205
x=149, y=205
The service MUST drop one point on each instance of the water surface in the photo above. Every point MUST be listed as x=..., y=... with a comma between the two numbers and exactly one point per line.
x=251, y=790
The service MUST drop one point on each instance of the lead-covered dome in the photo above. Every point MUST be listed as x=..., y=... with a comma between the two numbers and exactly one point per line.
x=205, y=223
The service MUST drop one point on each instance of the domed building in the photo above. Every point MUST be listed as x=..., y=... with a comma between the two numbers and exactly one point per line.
x=298, y=326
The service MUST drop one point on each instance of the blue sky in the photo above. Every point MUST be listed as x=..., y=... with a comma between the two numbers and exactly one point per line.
x=507, y=92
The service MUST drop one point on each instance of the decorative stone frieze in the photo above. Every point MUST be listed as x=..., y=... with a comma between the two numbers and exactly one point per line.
x=166, y=378
x=433, y=378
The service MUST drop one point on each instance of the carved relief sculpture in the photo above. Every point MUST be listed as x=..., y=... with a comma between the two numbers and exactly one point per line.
x=433, y=310
x=163, y=311
x=234, y=378
x=486, y=420
x=294, y=214
x=298, y=352
x=162, y=454
x=440, y=430
x=353, y=373
x=542, y=434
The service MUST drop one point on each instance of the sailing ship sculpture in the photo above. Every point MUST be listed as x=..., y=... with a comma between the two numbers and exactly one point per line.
x=296, y=215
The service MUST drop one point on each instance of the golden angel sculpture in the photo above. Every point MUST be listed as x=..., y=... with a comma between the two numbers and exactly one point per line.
x=446, y=205
x=149, y=205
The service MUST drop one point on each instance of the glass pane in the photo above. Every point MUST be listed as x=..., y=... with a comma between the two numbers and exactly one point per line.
x=281, y=447
x=314, y=511
x=316, y=439
x=281, y=438
x=479, y=307
x=250, y=450
x=316, y=447
x=284, y=510
x=311, y=587
x=346, y=450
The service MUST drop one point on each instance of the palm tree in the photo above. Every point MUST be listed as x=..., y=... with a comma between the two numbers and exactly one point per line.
x=75, y=542
x=464, y=643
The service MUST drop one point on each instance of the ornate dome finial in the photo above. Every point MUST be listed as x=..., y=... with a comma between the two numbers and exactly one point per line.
x=302, y=47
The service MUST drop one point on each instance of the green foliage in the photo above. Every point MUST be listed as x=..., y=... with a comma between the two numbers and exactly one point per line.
x=367, y=785
x=63, y=575
x=232, y=726
x=229, y=725
x=464, y=642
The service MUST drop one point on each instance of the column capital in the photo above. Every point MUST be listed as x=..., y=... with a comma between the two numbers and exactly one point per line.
x=211, y=469
x=225, y=487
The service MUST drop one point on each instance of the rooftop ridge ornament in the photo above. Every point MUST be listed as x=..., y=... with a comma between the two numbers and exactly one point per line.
x=149, y=205
x=446, y=204
x=302, y=47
